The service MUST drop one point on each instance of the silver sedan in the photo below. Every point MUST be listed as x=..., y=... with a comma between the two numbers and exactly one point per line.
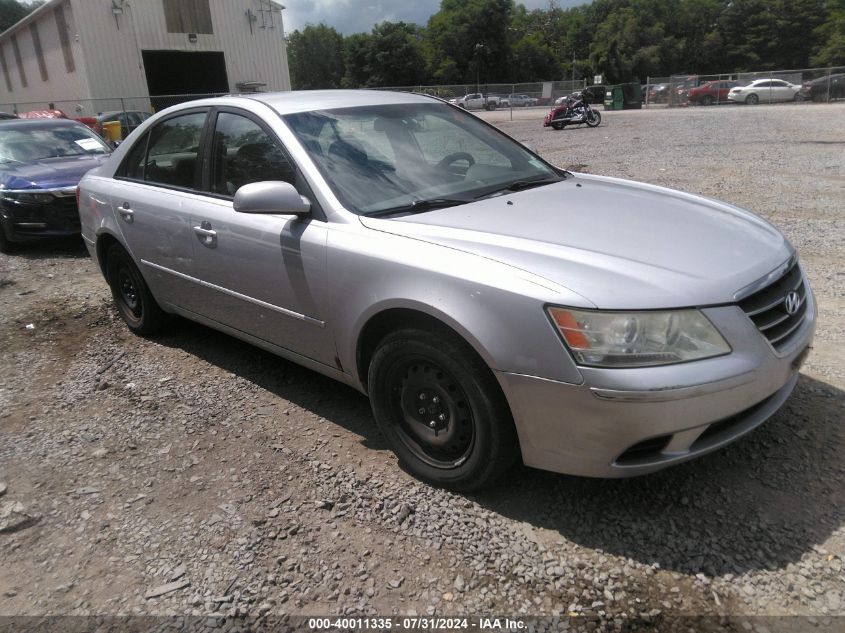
x=492, y=306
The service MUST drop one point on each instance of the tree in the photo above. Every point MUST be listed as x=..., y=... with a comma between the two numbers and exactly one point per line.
x=315, y=57
x=830, y=36
x=357, y=54
x=533, y=59
x=454, y=33
x=396, y=57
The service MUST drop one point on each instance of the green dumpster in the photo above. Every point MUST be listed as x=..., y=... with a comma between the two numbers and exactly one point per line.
x=613, y=98
x=624, y=97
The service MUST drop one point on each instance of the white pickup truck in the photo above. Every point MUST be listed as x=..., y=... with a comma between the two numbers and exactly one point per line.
x=477, y=100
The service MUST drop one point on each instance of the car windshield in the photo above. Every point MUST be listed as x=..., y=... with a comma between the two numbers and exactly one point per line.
x=385, y=157
x=27, y=145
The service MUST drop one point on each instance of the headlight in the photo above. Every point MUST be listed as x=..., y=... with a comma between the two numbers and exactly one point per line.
x=637, y=339
x=24, y=197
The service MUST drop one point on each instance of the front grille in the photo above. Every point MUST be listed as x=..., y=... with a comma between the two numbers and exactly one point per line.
x=67, y=208
x=61, y=214
x=767, y=308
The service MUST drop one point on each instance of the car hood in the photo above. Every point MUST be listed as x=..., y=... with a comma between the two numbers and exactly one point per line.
x=48, y=173
x=617, y=243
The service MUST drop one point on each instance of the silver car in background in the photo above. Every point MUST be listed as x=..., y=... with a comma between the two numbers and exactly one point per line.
x=491, y=305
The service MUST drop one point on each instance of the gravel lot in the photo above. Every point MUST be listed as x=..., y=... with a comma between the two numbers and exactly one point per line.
x=191, y=474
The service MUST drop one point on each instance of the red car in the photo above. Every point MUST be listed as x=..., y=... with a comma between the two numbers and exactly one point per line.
x=711, y=92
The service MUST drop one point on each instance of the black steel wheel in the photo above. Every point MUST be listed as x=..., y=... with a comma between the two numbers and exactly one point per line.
x=441, y=409
x=557, y=126
x=593, y=118
x=133, y=299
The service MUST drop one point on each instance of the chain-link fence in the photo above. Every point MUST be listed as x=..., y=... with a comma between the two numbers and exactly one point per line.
x=80, y=108
x=808, y=84
x=513, y=95
x=812, y=84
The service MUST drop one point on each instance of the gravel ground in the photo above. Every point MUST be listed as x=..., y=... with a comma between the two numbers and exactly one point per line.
x=191, y=474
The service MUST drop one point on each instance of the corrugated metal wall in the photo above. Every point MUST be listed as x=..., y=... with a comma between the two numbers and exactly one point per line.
x=107, y=49
x=60, y=83
x=252, y=54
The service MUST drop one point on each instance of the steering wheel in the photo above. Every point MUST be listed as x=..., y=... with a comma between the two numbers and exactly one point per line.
x=454, y=157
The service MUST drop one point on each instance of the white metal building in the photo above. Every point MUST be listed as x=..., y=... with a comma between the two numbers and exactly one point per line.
x=83, y=55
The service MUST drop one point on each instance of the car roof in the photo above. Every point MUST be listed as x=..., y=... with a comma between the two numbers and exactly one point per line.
x=38, y=124
x=308, y=100
x=824, y=79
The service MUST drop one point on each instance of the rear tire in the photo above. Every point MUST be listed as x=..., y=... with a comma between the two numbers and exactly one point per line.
x=706, y=100
x=441, y=410
x=752, y=99
x=132, y=297
x=557, y=126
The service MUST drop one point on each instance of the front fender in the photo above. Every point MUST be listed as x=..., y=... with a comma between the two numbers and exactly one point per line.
x=499, y=310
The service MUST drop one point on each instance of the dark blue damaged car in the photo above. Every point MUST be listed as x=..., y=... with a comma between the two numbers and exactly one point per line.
x=41, y=162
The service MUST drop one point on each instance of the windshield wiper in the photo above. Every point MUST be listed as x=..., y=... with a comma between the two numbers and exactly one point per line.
x=519, y=185
x=418, y=206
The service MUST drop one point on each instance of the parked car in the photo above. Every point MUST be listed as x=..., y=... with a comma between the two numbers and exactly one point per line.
x=517, y=101
x=41, y=162
x=477, y=101
x=49, y=113
x=824, y=88
x=594, y=94
x=658, y=93
x=680, y=89
x=711, y=92
x=422, y=256
x=8, y=115
x=765, y=91
x=129, y=120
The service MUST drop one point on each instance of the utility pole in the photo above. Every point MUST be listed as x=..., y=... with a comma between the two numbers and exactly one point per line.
x=478, y=49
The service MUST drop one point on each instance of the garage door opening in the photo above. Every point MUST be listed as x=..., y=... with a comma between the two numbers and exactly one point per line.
x=181, y=73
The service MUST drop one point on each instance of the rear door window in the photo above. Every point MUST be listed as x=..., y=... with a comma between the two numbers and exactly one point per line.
x=173, y=150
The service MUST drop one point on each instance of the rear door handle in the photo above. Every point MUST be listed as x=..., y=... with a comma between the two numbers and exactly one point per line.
x=126, y=213
x=208, y=237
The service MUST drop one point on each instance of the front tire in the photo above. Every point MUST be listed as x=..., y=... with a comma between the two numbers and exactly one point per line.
x=593, y=118
x=440, y=408
x=132, y=297
x=752, y=99
x=706, y=100
x=5, y=244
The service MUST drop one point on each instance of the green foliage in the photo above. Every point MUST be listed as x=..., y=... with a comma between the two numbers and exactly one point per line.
x=468, y=40
x=315, y=57
x=396, y=57
x=499, y=41
x=829, y=49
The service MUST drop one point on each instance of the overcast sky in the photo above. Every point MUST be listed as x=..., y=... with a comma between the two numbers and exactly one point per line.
x=356, y=16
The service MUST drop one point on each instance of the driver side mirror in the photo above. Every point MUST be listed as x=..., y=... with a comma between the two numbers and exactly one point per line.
x=271, y=197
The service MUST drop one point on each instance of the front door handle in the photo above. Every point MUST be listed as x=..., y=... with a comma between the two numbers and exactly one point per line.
x=126, y=213
x=208, y=236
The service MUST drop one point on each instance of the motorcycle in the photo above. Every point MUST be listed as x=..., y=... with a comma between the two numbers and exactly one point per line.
x=573, y=110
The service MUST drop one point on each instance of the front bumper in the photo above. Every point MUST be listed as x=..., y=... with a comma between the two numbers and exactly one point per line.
x=623, y=422
x=28, y=222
